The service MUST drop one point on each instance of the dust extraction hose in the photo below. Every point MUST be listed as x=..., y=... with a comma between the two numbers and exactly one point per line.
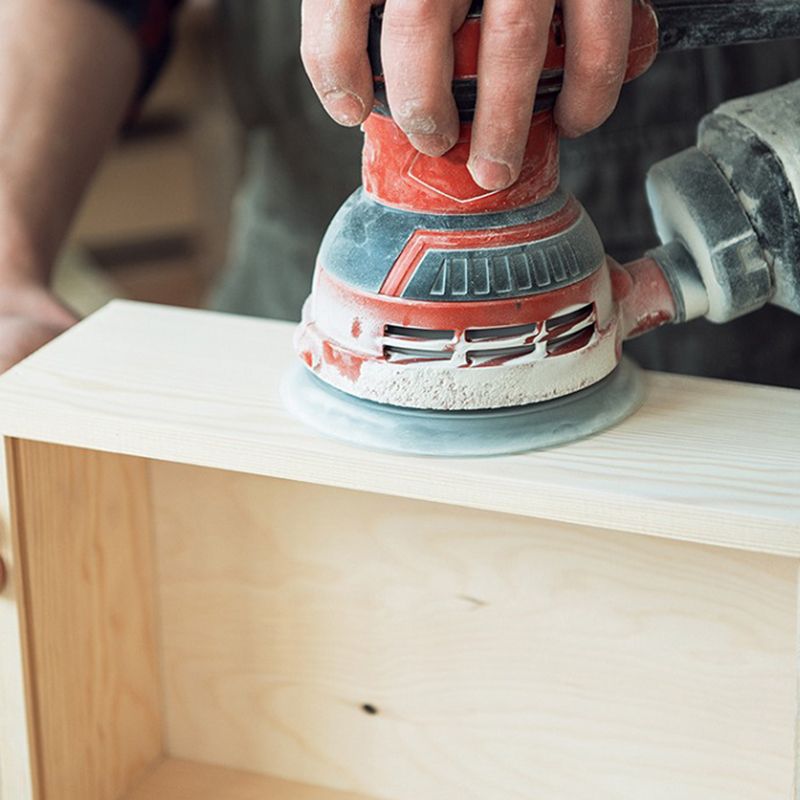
x=728, y=210
x=691, y=24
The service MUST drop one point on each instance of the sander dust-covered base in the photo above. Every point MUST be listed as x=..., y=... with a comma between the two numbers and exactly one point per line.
x=463, y=433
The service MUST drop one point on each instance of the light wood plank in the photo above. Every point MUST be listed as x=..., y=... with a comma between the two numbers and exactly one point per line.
x=703, y=460
x=85, y=569
x=15, y=764
x=503, y=657
x=187, y=780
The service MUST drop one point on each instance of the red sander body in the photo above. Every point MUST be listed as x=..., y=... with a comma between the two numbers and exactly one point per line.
x=446, y=319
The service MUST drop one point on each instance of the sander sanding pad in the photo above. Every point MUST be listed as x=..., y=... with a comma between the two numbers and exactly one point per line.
x=463, y=433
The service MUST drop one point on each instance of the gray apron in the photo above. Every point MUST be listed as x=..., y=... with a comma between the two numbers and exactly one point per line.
x=301, y=167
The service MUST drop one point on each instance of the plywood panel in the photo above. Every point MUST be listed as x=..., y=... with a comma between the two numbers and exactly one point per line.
x=703, y=460
x=85, y=568
x=15, y=765
x=404, y=649
x=186, y=780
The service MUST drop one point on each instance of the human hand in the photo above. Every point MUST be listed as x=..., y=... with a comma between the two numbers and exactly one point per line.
x=417, y=49
x=30, y=316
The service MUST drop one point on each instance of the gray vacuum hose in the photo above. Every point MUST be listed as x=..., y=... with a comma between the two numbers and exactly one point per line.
x=728, y=210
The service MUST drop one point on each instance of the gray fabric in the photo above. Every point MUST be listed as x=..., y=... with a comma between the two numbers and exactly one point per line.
x=292, y=188
x=301, y=167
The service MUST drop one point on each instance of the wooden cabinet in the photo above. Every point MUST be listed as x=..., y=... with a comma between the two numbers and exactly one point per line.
x=208, y=601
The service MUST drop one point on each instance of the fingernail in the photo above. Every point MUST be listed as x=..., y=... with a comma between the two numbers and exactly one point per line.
x=433, y=144
x=492, y=175
x=347, y=108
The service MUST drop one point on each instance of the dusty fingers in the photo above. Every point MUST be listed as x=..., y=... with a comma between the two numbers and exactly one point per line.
x=334, y=51
x=417, y=50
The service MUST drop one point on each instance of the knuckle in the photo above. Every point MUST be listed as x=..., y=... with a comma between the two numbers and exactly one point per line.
x=411, y=15
x=406, y=21
x=515, y=25
x=602, y=65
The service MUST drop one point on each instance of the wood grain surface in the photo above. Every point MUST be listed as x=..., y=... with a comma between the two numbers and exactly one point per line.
x=85, y=571
x=404, y=649
x=707, y=461
x=186, y=780
x=16, y=772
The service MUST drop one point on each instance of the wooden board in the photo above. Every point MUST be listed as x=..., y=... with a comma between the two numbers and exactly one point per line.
x=15, y=764
x=85, y=574
x=704, y=460
x=406, y=649
x=186, y=780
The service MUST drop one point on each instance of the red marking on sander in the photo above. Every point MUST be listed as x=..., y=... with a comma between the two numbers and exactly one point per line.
x=644, y=295
x=346, y=362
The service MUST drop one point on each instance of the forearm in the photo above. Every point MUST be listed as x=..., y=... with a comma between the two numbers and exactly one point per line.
x=68, y=72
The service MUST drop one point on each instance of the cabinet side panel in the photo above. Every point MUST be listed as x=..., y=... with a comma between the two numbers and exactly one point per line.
x=15, y=764
x=403, y=649
x=84, y=544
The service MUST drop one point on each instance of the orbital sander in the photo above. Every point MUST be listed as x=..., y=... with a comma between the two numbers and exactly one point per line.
x=450, y=320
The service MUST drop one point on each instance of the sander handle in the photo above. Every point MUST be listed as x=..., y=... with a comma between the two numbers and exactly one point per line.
x=693, y=24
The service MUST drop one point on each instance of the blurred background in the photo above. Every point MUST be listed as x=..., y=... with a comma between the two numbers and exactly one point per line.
x=154, y=226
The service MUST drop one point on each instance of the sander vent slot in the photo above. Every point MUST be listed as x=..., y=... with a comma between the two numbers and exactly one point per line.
x=403, y=345
x=571, y=318
x=418, y=333
x=486, y=334
x=485, y=358
x=570, y=342
x=395, y=354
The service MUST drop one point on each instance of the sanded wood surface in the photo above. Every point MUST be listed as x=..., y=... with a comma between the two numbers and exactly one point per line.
x=186, y=780
x=416, y=651
x=704, y=460
x=16, y=772
x=85, y=573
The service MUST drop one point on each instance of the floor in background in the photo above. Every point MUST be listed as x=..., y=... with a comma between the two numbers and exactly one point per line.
x=154, y=226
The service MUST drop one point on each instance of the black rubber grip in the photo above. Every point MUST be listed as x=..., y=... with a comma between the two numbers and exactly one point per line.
x=683, y=25
x=465, y=90
x=465, y=93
